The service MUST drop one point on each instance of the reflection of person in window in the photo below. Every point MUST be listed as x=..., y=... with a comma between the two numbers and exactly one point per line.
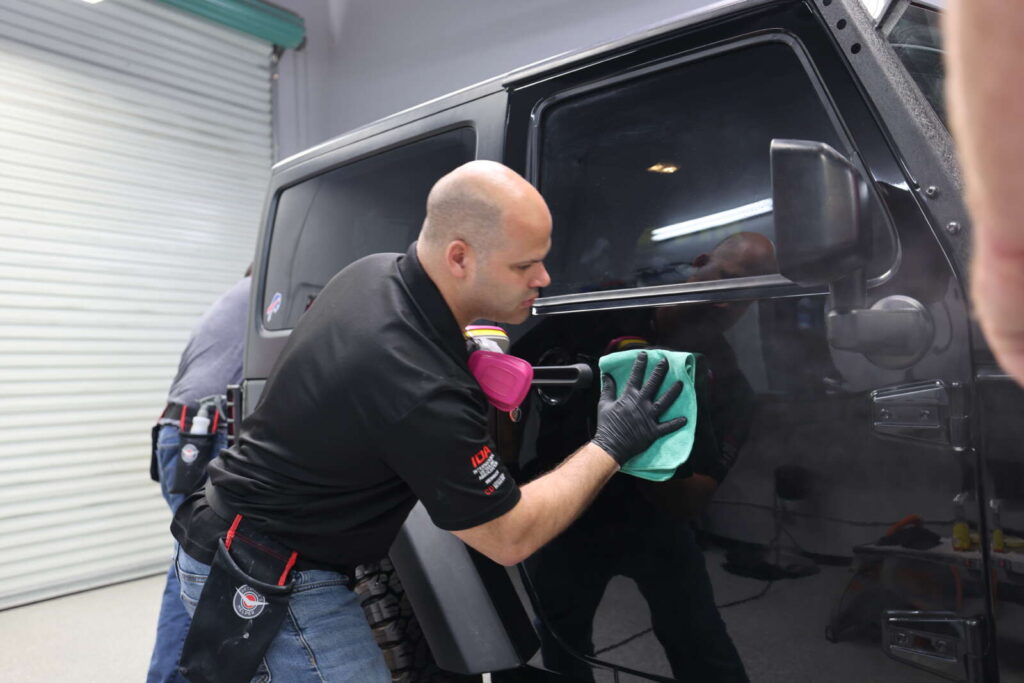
x=742, y=254
x=699, y=328
x=640, y=529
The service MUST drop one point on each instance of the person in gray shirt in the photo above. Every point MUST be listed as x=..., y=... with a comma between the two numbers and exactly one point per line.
x=211, y=361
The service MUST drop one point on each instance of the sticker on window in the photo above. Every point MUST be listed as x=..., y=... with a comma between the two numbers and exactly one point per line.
x=274, y=307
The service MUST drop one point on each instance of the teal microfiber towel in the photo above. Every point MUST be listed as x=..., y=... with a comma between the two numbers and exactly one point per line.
x=660, y=460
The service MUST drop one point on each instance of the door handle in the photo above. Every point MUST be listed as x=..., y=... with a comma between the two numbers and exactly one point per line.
x=943, y=643
x=556, y=383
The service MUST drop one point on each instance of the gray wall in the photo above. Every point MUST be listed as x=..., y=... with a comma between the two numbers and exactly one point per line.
x=365, y=59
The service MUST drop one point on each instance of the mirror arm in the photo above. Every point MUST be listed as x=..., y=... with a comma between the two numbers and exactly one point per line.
x=849, y=292
x=895, y=332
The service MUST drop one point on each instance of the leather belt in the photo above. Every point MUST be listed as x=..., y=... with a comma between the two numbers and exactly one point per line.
x=179, y=411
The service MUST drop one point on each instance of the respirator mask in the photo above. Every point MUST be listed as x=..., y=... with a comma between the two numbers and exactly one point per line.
x=505, y=379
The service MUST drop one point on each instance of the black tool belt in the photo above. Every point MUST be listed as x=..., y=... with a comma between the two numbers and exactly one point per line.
x=241, y=609
x=195, y=450
x=302, y=564
x=181, y=412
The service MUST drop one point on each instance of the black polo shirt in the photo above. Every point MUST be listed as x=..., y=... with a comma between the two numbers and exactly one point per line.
x=370, y=407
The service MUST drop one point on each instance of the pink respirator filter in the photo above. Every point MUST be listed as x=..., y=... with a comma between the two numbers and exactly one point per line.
x=504, y=379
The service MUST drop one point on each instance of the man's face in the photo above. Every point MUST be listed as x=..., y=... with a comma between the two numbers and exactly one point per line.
x=744, y=255
x=510, y=276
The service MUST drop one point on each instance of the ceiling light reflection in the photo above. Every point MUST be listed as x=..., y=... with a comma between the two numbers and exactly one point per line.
x=714, y=220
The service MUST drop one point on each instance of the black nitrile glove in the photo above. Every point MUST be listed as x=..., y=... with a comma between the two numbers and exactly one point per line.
x=626, y=426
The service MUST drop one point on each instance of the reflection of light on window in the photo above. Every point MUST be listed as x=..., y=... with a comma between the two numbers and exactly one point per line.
x=92, y=2
x=714, y=220
x=663, y=168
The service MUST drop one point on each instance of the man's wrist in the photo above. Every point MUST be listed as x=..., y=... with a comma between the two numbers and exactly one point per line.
x=601, y=449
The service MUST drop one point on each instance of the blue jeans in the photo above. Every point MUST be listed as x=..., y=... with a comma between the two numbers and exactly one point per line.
x=172, y=624
x=324, y=638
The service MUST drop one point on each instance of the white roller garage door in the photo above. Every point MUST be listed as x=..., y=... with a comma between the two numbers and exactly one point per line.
x=135, y=147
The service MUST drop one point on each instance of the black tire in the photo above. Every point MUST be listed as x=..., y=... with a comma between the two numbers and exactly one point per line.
x=395, y=627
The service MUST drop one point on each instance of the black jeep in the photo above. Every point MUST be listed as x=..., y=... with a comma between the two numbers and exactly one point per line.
x=770, y=184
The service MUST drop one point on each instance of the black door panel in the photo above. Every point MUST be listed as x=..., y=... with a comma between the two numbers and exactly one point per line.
x=836, y=515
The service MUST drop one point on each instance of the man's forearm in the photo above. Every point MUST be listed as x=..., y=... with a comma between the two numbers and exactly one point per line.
x=627, y=424
x=552, y=502
x=985, y=66
x=548, y=505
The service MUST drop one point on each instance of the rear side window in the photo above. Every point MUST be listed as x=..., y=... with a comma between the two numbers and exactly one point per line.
x=647, y=176
x=373, y=205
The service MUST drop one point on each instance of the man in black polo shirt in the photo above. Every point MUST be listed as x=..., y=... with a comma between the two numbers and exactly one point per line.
x=371, y=407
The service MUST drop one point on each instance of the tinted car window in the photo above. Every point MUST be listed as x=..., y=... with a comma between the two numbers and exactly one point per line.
x=645, y=177
x=372, y=205
x=658, y=179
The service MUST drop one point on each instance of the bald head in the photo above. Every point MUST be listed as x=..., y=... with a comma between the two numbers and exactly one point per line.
x=472, y=204
x=484, y=241
x=744, y=254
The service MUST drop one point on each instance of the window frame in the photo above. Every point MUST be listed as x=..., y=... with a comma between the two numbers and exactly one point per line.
x=774, y=285
x=271, y=220
x=376, y=154
x=483, y=107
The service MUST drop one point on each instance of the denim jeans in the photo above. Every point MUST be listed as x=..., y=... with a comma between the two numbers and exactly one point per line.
x=324, y=638
x=172, y=624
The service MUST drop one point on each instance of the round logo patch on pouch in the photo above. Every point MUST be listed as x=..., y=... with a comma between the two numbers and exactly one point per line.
x=248, y=602
x=189, y=453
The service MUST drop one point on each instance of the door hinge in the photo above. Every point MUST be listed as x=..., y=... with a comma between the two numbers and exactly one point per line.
x=927, y=411
x=942, y=643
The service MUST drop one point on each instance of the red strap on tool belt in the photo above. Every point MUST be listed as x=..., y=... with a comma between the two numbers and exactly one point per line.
x=230, y=536
x=175, y=410
x=184, y=414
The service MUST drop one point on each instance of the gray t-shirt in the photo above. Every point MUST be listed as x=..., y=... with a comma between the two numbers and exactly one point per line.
x=212, y=359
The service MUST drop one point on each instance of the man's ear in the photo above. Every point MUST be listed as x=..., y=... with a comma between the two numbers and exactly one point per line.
x=458, y=258
x=701, y=261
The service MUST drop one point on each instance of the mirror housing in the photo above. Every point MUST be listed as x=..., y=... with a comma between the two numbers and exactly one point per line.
x=822, y=208
x=822, y=216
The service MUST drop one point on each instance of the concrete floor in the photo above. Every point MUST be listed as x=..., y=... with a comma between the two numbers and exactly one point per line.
x=103, y=635
x=106, y=635
x=789, y=619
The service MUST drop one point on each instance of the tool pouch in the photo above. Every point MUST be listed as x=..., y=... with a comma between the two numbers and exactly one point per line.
x=190, y=466
x=237, y=617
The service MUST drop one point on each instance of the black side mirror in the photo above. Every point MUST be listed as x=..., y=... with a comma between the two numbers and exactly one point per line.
x=822, y=218
x=823, y=236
